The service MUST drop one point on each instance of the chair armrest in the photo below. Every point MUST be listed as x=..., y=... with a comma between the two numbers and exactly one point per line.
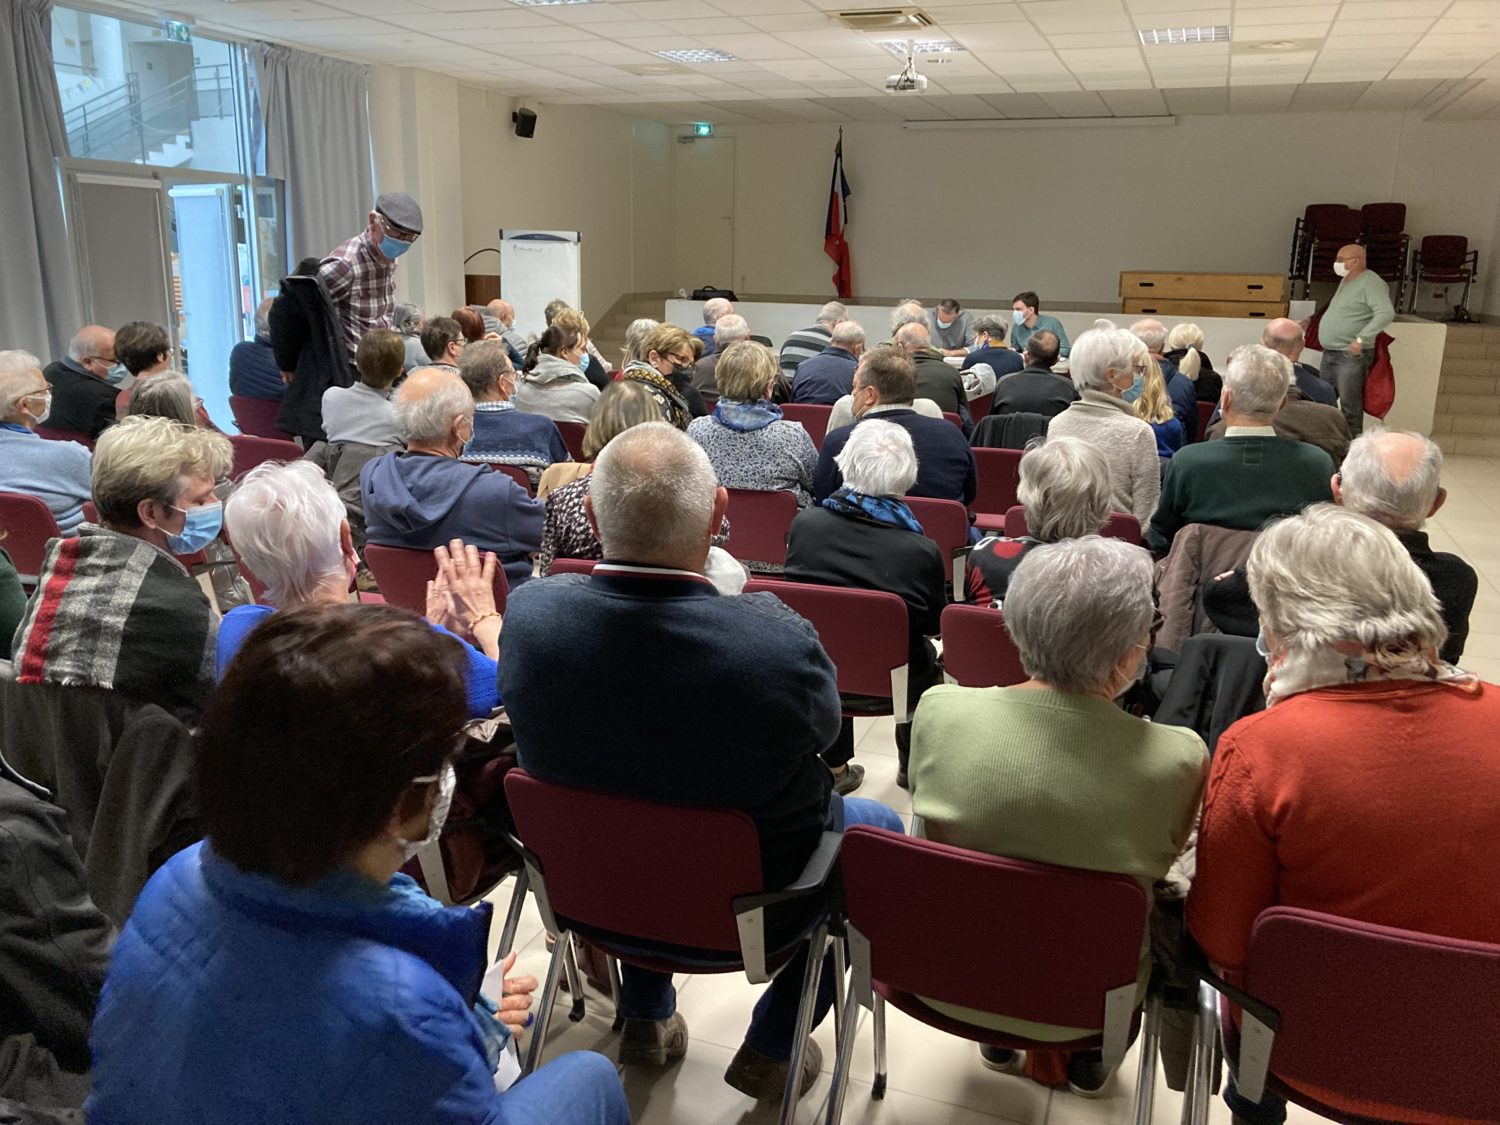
x=749, y=910
x=1247, y=1003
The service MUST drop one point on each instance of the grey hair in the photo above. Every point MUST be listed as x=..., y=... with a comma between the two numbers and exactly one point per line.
x=992, y=326
x=16, y=368
x=1151, y=332
x=284, y=521
x=1064, y=488
x=636, y=334
x=406, y=318
x=1103, y=322
x=1075, y=608
x=1259, y=379
x=847, y=332
x=729, y=328
x=263, y=317
x=907, y=312
x=652, y=492
x=1331, y=576
x=1098, y=351
x=714, y=308
x=878, y=459
x=427, y=420
x=914, y=336
x=168, y=395
x=1371, y=489
x=832, y=313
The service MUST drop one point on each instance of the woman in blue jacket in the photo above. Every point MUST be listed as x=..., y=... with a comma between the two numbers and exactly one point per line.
x=282, y=971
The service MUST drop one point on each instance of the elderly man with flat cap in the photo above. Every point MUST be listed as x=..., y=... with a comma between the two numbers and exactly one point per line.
x=360, y=274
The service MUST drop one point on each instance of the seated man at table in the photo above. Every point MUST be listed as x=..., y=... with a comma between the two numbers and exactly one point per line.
x=1250, y=476
x=991, y=351
x=682, y=709
x=1027, y=317
x=1036, y=388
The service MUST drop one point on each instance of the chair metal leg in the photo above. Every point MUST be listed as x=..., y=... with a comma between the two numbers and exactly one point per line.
x=1200, y=1084
x=513, y=914
x=877, y=1089
x=849, y=1020
x=614, y=992
x=544, y=1011
x=840, y=987
x=1145, y=1075
x=575, y=978
x=810, y=977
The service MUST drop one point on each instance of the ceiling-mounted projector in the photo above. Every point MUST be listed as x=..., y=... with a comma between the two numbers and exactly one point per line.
x=906, y=82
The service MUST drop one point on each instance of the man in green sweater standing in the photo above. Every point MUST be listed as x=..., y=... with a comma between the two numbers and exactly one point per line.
x=1252, y=475
x=1360, y=310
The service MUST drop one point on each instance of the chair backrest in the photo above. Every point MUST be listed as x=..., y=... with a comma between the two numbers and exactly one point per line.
x=53, y=434
x=811, y=416
x=28, y=524
x=252, y=451
x=1383, y=218
x=980, y=407
x=950, y=416
x=1394, y=1016
x=998, y=473
x=1439, y=252
x=946, y=523
x=1025, y=940
x=256, y=417
x=864, y=632
x=636, y=871
x=1119, y=525
x=403, y=574
x=1205, y=412
x=517, y=474
x=1336, y=222
x=572, y=435
x=977, y=648
x=758, y=524
x=572, y=566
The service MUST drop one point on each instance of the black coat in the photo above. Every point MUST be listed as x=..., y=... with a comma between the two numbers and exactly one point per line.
x=308, y=342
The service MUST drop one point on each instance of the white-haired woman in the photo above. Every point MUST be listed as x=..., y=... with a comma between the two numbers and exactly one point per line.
x=288, y=525
x=1185, y=349
x=1052, y=770
x=865, y=536
x=55, y=472
x=1366, y=789
x=114, y=608
x=1103, y=365
x=1064, y=488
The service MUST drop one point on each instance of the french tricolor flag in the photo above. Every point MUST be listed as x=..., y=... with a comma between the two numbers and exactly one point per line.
x=834, y=244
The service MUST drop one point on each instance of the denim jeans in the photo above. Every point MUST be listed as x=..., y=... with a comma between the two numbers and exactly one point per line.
x=579, y=1088
x=649, y=995
x=1347, y=373
x=1270, y=1110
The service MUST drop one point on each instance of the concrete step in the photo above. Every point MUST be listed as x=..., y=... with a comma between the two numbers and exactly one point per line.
x=1468, y=445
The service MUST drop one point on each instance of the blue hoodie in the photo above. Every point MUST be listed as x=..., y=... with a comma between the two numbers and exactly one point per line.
x=422, y=500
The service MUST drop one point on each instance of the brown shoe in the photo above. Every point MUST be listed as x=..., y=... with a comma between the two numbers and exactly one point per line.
x=653, y=1042
x=764, y=1079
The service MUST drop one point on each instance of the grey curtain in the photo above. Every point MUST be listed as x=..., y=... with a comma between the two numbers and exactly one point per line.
x=40, y=308
x=317, y=140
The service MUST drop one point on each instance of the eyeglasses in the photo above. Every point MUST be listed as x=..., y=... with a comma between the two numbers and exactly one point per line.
x=1139, y=368
x=401, y=234
x=680, y=358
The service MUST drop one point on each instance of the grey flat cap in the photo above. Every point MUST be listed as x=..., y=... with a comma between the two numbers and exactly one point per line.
x=400, y=209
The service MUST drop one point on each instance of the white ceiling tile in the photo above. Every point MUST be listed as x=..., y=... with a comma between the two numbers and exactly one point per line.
x=667, y=9
x=1398, y=43
x=1140, y=8
x=286, y=10
x=1198, y=100
x=1187, y=54
x=1299, y=32
x=1307, y=13
x=1324, y=96
x=1195, y=16
x=700, y=28
x=1001, y=37
x=1044, y=84
x=793, y=21
x=1135, y=103
x=1093, y=39
x=1019, y=105
x=1394, y=9
x=1078, y=103
x=1078, y=15
x=1009, y=63
x=1411, y=28
x=1272, y=98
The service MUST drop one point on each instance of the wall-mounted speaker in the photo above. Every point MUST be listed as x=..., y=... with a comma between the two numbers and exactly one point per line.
x=525, y=122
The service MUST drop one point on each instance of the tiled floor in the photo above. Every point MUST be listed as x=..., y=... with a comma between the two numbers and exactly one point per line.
x=936, y=1079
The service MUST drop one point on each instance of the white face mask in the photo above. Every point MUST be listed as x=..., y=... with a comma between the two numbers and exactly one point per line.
x=447, y=783
x=1341, y=269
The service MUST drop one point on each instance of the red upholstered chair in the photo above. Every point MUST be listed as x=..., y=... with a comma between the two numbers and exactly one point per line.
x=257, y=417
x=572, y=566
x=517, y=474
x=950, y=416
x=977, y=648
x=999, y=474
x=864, y=633
x=1052, y=945
x=403, y=574
x=252, y=451
x=811, y=416
x=946, y=523
x=1205, y=412
x=52, y=434
x=635, y=886
x=758, y=524
x=1441, y=259
x=572, y=435
x=1367, y=1011
x=980, y=407
x=28, y=525
x=1120, y=525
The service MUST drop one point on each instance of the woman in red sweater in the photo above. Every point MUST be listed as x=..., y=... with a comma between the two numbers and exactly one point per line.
x=1373, y=766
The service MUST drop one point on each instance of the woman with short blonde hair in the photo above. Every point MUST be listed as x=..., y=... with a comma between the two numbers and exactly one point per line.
x=666, y=370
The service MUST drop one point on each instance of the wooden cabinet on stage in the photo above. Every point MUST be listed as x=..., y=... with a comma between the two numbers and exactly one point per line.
x=1162, y=293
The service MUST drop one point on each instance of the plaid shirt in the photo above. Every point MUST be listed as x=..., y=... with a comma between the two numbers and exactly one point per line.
x=362, y=284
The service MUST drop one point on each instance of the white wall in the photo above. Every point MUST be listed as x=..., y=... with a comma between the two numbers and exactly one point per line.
x=982, y=213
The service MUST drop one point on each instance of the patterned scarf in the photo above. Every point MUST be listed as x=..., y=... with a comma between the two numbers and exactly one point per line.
x=1300, y=669
x=881, y=509
x=674, y=406
x=743, y=417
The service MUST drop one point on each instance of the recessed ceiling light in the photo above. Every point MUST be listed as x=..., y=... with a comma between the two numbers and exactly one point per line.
x=1162, y=35
x=898, y=47
x=696, y=55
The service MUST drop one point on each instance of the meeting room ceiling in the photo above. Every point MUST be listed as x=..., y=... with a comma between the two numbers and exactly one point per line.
x=794, y=61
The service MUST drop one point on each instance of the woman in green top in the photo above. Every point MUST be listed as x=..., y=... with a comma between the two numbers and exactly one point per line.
x=1052, y=771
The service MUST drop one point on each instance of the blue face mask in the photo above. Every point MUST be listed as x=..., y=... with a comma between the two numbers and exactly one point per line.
x=1135, y=389
x=1260, y=644
x=393, y=248
x=116, y=374
x=198, y=529
x=1018, y=315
